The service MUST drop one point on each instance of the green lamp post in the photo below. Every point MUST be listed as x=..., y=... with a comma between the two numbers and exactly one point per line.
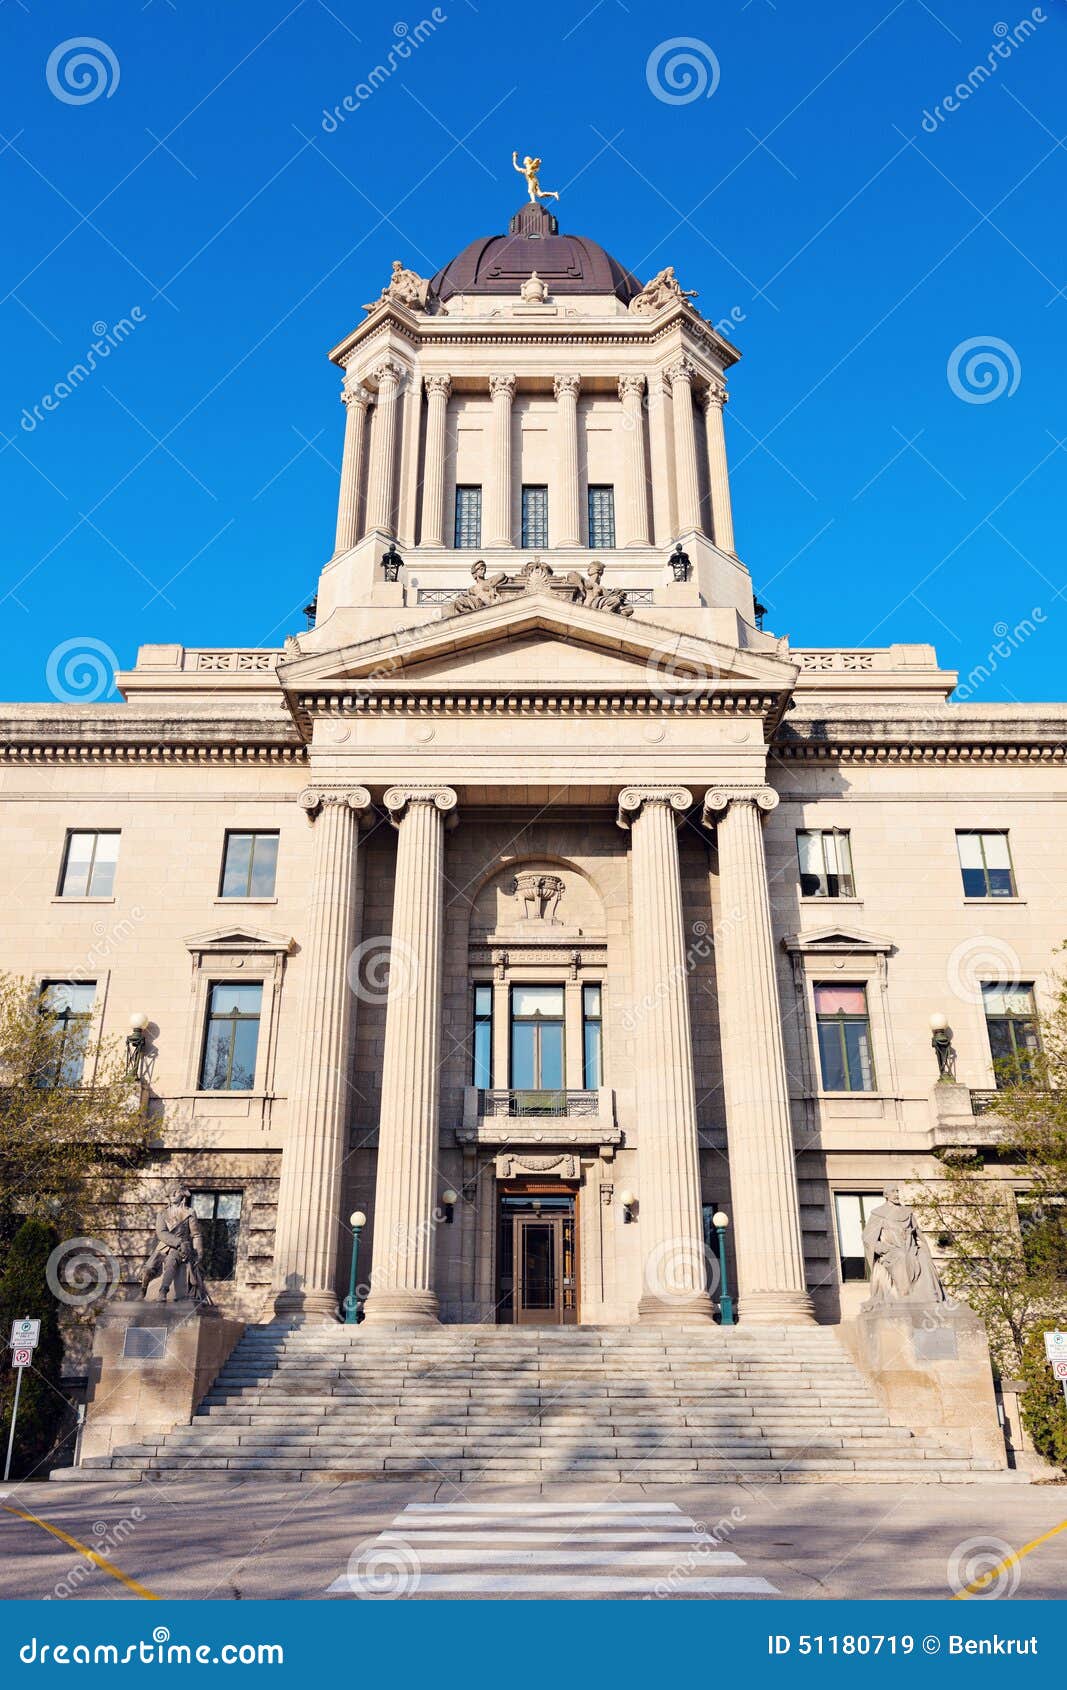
x=357, y=1222
x=726, y=1303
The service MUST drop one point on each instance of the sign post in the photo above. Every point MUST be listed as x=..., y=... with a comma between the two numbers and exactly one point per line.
x=1056, y=1351
x=25, y=1334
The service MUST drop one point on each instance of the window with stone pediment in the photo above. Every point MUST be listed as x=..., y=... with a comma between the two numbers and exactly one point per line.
x=844, y=1030
x=231, y=1036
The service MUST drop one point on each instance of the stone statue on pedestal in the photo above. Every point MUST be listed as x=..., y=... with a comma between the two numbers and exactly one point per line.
x=176, y=1254
x=902, y=1268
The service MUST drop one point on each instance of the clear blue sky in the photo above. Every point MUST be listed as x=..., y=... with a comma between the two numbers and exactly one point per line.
x=186, y=490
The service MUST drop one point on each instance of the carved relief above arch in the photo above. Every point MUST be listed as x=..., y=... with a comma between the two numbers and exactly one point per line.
x=536, y=900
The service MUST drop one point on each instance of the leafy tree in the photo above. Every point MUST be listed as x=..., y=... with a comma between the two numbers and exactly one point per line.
x=24, y=1290
x=1044, y=1406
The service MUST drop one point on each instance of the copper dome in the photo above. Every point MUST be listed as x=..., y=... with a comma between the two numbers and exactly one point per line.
x=567, y=264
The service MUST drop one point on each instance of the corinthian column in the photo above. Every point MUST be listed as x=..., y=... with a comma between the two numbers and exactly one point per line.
x=635, y=507
x=569, y=521
x=763, y=1182
x=389, y=375
x=438, y=389
x=356, y=401
x=722, y=521
x=305, y=1245
x=502, y=389
x=404, y=1199
x=674, y=1278
x=680, y=376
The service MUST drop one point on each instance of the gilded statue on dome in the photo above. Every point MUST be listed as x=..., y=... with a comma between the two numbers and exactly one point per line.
x=529, y=169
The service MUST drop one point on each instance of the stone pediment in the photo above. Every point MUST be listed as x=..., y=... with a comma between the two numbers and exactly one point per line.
x=237, y=937
x=838, y=940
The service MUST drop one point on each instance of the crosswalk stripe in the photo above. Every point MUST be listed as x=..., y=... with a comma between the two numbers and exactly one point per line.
x=548, y=1584
x=561, y=1554
x=442, y=1509
x=503, y=1534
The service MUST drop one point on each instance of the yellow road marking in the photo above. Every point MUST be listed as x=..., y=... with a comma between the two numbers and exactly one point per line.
x=83, y=1549
x=1011, y=1560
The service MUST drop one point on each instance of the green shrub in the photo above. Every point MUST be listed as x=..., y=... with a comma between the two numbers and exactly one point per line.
x=1044, y=1407
x=24, y=1290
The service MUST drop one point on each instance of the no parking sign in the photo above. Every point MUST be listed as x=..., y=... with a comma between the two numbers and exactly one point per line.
x=23, y=1358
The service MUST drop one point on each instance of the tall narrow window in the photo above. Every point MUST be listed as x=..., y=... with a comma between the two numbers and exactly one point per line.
x=231, y=1038
x=468, y=535
x=853, y=1212
x=534, y=517
x=89, y=865
x=219, y=1214
x=537, y=1038
x=1011, y=1020
x=69, y=1004
x=844, y=1030
x=985, y=863
x=482, y=1068
x=249, y=865
x=602, y=518
x=825, y=863
x=592, y=1038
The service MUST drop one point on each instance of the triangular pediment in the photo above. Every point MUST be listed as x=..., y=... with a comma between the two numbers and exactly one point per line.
x=236, y=936
x=837, y=940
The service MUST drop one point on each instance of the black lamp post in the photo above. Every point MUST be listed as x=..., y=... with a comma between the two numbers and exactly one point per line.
x=679, y=562
x=392, y=563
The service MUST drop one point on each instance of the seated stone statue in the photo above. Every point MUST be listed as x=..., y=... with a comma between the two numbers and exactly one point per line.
x=590, y=592
x=176, y=1254
x=902, y=1268
x=484, y=591
x=405, y=287
x=661, y=291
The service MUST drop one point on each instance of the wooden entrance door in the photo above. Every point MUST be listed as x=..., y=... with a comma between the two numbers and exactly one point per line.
x=538, y=1267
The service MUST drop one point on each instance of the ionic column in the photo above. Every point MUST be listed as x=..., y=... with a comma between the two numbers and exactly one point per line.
x=305, y=1246
x=631, y=392
x=356, y=401
x=569, y=519
x=389, y=375
x=680, y=375
x=405, y=1195
x=674, y=1275
x=438, y=390
x=767, y=1237
x=722, y=521
x=498, y=528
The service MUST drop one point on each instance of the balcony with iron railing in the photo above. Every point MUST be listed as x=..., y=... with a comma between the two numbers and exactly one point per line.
x=557, y=1116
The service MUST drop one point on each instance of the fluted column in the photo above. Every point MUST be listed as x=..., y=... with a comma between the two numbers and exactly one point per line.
x=305, y=1246
x=569, y=519
x=356, y=401
x=389, y=375
x=635, y=504
x=674, y=1273
x=498, y=528
x=661, y=461
x=763, y=1183
x=722, y=520
x=680, y=375
x=438, y=390
x=405, y=1194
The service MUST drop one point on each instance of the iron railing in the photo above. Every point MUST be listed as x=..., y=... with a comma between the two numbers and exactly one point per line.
x=526, y=1103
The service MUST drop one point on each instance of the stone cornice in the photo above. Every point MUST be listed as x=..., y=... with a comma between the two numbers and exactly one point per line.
x=958, y=746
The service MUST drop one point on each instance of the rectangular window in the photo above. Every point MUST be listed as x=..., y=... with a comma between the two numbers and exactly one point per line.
x=219, y=1214
x=1011, y=1020
x=825, y=863
x=602, y=518
x=534, y=517
x=592, y=1038
x=468, y=518
x=985, y=862
x=231, y=1038
x=844, y=1038
x=853, y=1212
x=89, y=865
x=537, y=1038
x=482, y=1074
x=249, y=865
x=70, y=1005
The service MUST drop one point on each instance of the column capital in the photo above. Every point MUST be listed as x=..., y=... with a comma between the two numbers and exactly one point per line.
x=633, y=799
x=631, y=386
x=389, y=370
x=316, y=798
x=439, y=385
x=566, y=383
x=682, y=370
x=714, y=394
x=358, y=395
x=503, y=385
x=399, y=799
x=717, y=800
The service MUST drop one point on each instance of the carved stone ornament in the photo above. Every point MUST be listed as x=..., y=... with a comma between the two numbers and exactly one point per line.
x=503, y=385
x=404, y=287
x=536, y=575
x=316, y=798
x=715, y=393
x=589, y=591
x=440, y=385
x=631, y=386
x=562, y=1167
x=540, y=894
x=399, y=799
x=484, y=591
x=533, y=290
x=683, y=369
x=661, y=291
x=358, y=395
x=566, y=383
x=634, y=798
x=719, y=798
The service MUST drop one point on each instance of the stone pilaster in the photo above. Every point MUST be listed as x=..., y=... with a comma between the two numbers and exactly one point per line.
x=680, y=374
x=674, y=1272
x=766, y=1207
x=664, y=504
x=635, y=503
x=305, y=1248
x=722, y=521
x=438, y=391
x=356, y=401
x=569, y=522
x=498, y=527
x=405, y=1192
x=389, y=374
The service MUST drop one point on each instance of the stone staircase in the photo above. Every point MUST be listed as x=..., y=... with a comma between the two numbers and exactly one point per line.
x=471, y=1404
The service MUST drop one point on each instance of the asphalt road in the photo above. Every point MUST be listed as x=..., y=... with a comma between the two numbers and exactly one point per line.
x=257, y=1539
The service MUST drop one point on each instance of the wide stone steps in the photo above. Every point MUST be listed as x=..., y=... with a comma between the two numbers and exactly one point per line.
x=463, y=1404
